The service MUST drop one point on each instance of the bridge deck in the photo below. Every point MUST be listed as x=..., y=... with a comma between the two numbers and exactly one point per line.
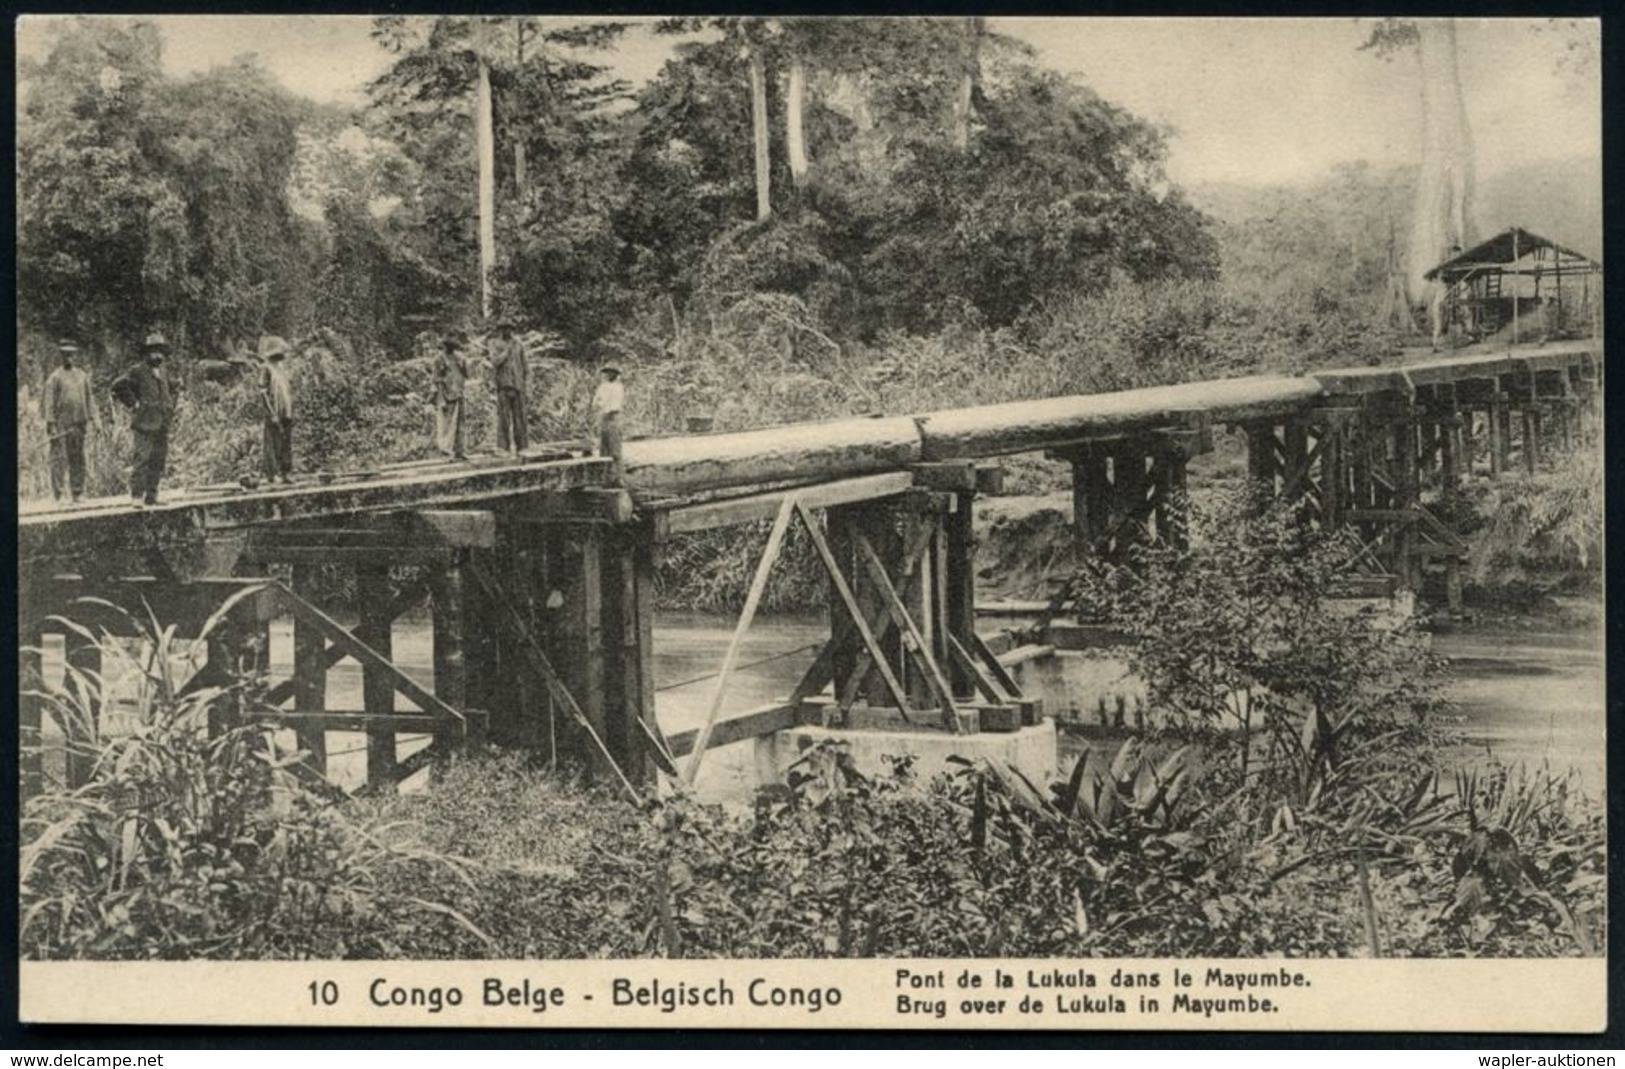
x=811, y=451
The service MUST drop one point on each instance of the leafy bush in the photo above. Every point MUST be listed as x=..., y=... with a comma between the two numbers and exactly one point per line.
x=1241, y=630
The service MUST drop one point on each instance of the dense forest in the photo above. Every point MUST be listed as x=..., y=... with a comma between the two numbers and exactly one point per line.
x=843, y=214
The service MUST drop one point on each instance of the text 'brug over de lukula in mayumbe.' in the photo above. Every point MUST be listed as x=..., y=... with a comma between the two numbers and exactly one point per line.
x=964, y=992
x=1072, y=991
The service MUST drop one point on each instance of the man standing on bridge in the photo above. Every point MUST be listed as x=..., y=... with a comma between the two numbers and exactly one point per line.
x=68, y=407
x=607, y=402
x=276, y=391
x=146, y=390
x=450, y=381
x=512, y=379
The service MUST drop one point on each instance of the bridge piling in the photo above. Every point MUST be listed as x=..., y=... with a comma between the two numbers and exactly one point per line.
x=375, y=629
x=309, y=669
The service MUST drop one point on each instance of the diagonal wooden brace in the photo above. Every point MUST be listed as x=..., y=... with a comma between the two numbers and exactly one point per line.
x=844, y=592
x=340, y=637
x=916, y=643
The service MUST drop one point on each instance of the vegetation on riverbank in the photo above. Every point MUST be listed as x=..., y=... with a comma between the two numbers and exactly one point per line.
x=1328, y=826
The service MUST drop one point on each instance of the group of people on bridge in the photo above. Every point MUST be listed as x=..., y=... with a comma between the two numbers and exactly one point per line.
x=149, y=394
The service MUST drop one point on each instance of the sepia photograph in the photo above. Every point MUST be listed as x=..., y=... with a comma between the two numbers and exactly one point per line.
x=841, y=521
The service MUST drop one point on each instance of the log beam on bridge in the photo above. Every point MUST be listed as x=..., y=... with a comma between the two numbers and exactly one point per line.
x=1028, y=426
x=796, y=452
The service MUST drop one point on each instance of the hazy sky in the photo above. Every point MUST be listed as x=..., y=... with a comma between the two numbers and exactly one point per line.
x=1258, y=100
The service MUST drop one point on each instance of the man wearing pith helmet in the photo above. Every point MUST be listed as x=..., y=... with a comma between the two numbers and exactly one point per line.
x=147, y=392
x=68, y=408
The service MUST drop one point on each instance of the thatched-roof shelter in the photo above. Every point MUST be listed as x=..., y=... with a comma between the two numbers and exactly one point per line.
x=1499, y=283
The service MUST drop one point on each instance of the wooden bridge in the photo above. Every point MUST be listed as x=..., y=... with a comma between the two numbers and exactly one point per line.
x=539, y=572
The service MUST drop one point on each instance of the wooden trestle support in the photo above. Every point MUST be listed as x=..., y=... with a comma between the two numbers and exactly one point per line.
x=1391, y=463
x=541, y=615
x=898, y=554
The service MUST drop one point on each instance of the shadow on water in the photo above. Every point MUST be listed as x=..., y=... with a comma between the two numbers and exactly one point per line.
x=1528, y=697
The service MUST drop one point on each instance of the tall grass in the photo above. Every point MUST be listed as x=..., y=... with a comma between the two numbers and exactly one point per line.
x=187, y=843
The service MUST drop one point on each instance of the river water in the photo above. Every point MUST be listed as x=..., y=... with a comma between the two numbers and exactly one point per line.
x=1528, y=696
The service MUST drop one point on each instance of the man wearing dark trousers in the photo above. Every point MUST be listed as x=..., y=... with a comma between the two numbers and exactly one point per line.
x=68, y=408
x=146, y=391
x=512, y=379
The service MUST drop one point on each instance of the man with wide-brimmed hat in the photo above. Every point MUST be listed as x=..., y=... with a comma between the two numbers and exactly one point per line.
x=68, y=408
x=145, y=389
x=511, y=377
x=450, y=386
x=276, y=391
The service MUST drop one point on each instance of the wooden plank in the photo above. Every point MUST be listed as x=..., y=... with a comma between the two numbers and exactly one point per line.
x=586, y=505
x=729, y=512
x=1023, y=654
x=844, y=592
x=753, y=597
x=876, y=613
x=323, y=720
x=818, y=675
x=916, y=644
x=749, y=725
x=372, y=593
x=183, y=520
x=447, y=623
x=946, y=475
x=643, y=570
x=538, y=659
x=985, y=686
x=30, y=710
x=309, y=670
x=996, y=667
x=936, y=595
x=407, y=597
x=843, y=651
x=357, y=556
x=959, y=577
x=587, y=608
x=426, y=528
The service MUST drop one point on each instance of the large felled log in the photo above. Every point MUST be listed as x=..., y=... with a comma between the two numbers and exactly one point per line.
x=1026, y=426
x=810, y=451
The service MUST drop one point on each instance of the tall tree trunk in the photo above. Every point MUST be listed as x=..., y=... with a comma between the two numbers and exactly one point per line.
x=969, y=74
x=1444, y=195
x=519, y=176
x=487, y=163
x=794, y=138
x=758, y=113
x=1395, y=309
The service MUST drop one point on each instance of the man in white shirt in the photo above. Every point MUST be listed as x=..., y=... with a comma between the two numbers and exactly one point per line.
x=607, y=402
